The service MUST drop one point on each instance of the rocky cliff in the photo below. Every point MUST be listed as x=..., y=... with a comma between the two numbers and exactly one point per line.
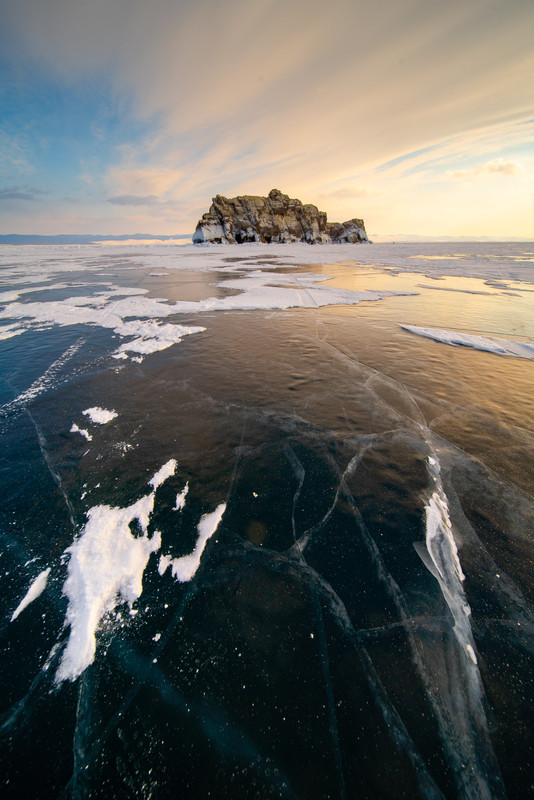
x=276, y=218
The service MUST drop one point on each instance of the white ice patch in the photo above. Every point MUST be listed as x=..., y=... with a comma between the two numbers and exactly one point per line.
x=9, y=297
x=184, y=568
x=151, y=336
x=136, y=317
x=105, y=310
x=472, y=654
x=100, y=416
x=36, y=589
x=8, y=331
x=82, y=431
x=168, y=469
x=439, y=533
x=501, y=347
x=180, y=498
x=447, y=569
x=106, y=566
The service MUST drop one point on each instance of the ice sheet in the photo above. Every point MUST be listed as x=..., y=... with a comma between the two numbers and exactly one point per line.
x=136, y=318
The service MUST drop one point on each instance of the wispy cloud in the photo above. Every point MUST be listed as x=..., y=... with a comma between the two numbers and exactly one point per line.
x=15, y=154
x=349, y=103
x=133, y=200
x=497, y=166
x=21, y=193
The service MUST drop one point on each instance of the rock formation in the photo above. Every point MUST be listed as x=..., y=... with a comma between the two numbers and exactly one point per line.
x=276, y=218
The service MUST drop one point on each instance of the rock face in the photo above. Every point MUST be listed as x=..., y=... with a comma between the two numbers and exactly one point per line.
x=276, y=218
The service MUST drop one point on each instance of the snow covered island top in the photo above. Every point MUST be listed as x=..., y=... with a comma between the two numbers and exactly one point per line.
x=276, y=218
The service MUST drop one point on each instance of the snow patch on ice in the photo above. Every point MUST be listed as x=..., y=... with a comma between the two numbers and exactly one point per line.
x=36, y=589
x=180, y=498
x=104, y=310
x=82, y=431
x=9, y=297
x=501, y=347
x=184, y=568
x=165, y=472
x=100, y=416
x=135, y=317
x=151, y=336
x=106, y=567
x=8, y=331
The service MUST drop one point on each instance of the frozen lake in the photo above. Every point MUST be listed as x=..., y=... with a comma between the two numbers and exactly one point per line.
x=266, y=521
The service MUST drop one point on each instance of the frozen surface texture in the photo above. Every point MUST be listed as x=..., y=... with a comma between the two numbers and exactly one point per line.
x=265, y=532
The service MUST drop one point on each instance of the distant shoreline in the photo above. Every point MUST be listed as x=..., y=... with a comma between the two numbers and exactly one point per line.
x=73, y=238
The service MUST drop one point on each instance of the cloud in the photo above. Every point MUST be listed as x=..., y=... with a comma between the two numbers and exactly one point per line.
x=128, y=179
x=21, y=193
x=133, y=200
x=497, y=166
x=307, y=96
x=351, y=192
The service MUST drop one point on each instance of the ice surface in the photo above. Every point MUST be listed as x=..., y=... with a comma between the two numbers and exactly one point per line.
x=423, y=622
x=136, y=317
x=501, y=347
x=44, y=382
x=100, y=416
x=106, y=566
x=36, y=589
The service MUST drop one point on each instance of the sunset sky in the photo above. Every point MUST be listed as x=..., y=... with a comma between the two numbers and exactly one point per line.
x=128, y=116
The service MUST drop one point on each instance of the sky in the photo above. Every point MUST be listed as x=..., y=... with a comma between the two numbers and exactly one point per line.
x=128, y=116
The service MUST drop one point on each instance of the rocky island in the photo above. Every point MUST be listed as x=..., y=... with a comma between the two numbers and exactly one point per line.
x=276, y=218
